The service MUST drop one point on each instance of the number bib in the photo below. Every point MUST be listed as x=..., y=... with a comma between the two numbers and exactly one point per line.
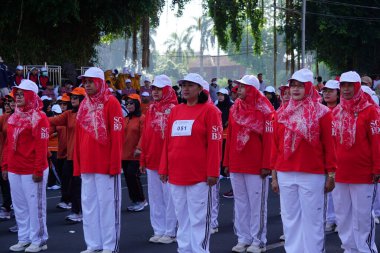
x=182, y=127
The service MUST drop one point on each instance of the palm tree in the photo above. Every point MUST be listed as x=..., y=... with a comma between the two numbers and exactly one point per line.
x=179, y=46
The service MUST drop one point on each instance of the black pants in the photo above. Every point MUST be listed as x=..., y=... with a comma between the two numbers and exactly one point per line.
x=53, y=172
x=59, y=167
x=6, y=194
x=71, y=187
x=132, y=178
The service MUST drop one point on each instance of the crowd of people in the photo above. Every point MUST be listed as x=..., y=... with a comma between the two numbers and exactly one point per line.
x=80, y=139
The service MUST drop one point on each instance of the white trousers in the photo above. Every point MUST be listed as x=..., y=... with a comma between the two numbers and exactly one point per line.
x=353, y=210
x=215, y=205
x=193, y=204
x=302, y=211
x=330, y=213
x=250, y=208
x=162, y=214
x=29, y=204
x=101, y=206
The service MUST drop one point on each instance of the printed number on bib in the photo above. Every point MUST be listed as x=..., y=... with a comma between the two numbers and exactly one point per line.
x=182, y=127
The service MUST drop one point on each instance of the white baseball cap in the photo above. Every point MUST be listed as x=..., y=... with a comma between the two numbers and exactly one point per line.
x=193, y=77
x=284, y=86
x=125, y=70
x=303, y=75
x=250, y=80
x=331, y=84
x=59, y=98
x=270, y=89
x=161, y=81
x=19, y=67
x=26, y=84
x=205, y=85
x=93, y=72
x=371, y=92
x=43, y=69
x=145, y=94
x=350, y=77
x=128, y=81
x=223, y=91
x=147, y=79
x=56, y=108
x=45, y=98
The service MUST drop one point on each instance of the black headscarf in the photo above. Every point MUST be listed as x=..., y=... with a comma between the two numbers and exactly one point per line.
x=224, y=107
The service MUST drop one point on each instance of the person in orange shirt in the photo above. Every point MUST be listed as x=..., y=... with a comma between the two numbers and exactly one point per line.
x=25, y=165
x=195, y=136
x=356, y=128
x=302, y=128
x=145, y=102
x=162, y=216
x=133, y=130
x=99, y=126
x=246, y=159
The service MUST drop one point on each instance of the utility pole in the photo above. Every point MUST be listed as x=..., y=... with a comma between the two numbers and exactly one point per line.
x=303, y=31
x=274, y=46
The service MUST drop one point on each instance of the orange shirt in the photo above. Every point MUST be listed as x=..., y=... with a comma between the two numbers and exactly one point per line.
x=133, y=130
x=193, y=144
x=319, y=159
x=144, y=107
x=53, y=143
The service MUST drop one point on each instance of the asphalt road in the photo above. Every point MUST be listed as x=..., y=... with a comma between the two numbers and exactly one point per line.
x=136, y=229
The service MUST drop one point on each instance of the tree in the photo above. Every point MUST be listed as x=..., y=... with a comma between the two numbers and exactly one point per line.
x=179, y=46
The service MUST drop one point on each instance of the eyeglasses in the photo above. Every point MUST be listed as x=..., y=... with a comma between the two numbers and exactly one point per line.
x=129, y=103
x=19, y=94
x=74, y=97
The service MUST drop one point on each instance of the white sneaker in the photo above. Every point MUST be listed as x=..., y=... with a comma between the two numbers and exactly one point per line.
x=63, y=205
x=330, y=227
x=282, y=238
x=155, y=238
x=4, y=214
x=167, y=239
x=256, y=249
x=240, y=247
x=35, y=248
x=377, y=221
x=20, y=246
x=74, y=217
x=91, y=251
x=106, y=251
x=214, y=230
x=138, y=206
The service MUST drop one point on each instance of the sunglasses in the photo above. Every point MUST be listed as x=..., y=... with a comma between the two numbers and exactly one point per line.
x=129, y=103
x=74, y=97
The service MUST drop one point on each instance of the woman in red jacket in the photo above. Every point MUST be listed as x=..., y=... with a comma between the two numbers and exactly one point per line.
x=25, y=165
x=247, y=157
x=162, y=216
x=191, y=161
x=303, y=128
x=97, y=159
x=356, y=128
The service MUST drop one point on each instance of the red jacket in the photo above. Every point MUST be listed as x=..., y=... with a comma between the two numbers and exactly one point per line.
x=358, y=164
x=193, y=144
x=256, y=152
x=320, y=159
x=32, y=148
x=92, y=157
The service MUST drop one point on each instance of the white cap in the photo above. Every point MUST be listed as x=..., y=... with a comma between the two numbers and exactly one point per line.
x=270, y=89
x=56, y=108
x=223, y=91
x=45, y=98
x=250, y=80
x=205, y=85
x=139, y=73
x=1, y=59
x=161, y=81
x=26, y=84
x=371, y=92
x=59, y=98
x=284, y=86
x=128, y=81
x=350, y=77
x=93, y=72
x=111, y=90
x=19, y=67
x=192, y=77
x=132, y=74
x=43, y=69
x=145, y=94
x=331, y=84
x=147, y=79
x=125, y=70
x=303, y=75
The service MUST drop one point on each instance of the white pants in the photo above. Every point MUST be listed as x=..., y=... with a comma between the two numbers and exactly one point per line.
x=193, y=206
x=101, y=202
x=250, y=208
x=215, y=205
x=353, y=210
x=302, y=211
x=29, y=204
x=162, y=214
x=330, y=213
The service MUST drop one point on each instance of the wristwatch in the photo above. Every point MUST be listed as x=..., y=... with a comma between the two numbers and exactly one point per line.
x=332, y=175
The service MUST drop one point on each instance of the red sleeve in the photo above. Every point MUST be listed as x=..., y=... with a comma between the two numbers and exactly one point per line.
x=214, y=142
x=60, y=120
x=163, y=170
x=41, y=141
x=327, y=140
x=274, y=146
x=76, y=155
x=267, y=141
x=143, y=144
x=374, y=138
x=115, y=116
x=226, y=160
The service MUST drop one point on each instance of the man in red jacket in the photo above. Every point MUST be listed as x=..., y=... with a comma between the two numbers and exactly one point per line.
x=356, y=127
x=97, y=158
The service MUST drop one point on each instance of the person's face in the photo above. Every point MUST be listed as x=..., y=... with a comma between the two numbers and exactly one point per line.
x=147, y=84
x=90, y=86
x=34, y=71
x=190, y=90
x=268, y=95
x=128, y=84
x=234, y=96
x=63, y=106
x=260, y=77
x=7, y=107
x=241, y=91
x=48, y=109
x=297, y=90
x=330, y=95
x=348, y=90
x=156, y=93
x=220, y=97
x=20, y=99
x=74, y=99
x=18, y=72
x=130, y=105
x=286, y=96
